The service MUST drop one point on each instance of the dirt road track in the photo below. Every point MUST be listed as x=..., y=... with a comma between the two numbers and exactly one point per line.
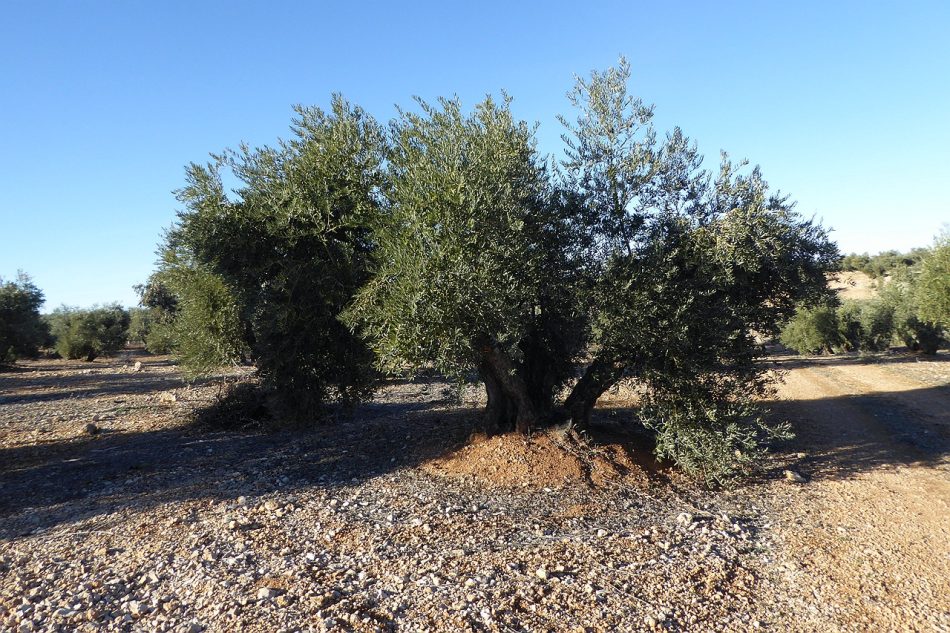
x=867, y=540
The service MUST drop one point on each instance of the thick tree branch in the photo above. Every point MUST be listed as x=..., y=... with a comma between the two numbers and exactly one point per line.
x=600, y=375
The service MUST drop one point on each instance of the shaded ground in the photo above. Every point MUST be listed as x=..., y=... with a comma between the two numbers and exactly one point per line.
x=391, y=520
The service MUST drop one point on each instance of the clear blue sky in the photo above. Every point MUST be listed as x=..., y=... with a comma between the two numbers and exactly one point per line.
x=845, y=105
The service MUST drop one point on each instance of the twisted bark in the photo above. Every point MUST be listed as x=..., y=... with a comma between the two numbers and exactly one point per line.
x=598, y=378
x=503, y=383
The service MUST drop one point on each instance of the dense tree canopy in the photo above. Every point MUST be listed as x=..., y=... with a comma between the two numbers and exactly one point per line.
x=22, y=330
x=89, y=333
x=267, y=271
x=933, y=284
x=632, y=260
x=450, y=243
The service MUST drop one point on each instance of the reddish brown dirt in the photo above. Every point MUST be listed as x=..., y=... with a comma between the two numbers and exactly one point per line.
x=550, y=459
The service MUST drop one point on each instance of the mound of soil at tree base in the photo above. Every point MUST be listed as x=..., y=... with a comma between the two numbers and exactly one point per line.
x=549, y=459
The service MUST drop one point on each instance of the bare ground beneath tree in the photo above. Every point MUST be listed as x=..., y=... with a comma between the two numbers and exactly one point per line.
x=392, y=519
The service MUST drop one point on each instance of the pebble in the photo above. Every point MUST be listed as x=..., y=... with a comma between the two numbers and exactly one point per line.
x=137, y=609
x=267, y=593
x=791, y=475
x=512, y=561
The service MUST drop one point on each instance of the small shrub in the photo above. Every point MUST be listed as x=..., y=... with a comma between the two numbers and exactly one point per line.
x=714, y=434
x=813, y=331
x=87, y=334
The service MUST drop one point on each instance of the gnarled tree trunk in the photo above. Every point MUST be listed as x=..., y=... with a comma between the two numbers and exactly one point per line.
x=509, y=401
x=500, y=411
x=598, y=378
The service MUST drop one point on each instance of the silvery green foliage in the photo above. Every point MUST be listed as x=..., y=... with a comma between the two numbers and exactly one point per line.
x=813, y=330
x=478, y=265
x=693, y=264
x=612, y=155
x=933, y=284
x=203, y=324
x=89, y=333
x=457, y=260
x=448, y=243
x=283, y=253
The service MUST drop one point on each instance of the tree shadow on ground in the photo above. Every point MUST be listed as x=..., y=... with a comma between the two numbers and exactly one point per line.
x=45, y=485
x=114, y=377
x=65, y=481
x=897, y=356
x=840, y=437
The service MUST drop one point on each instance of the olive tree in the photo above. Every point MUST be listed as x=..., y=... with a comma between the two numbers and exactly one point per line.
x=916, y=333
x=933, y=284
x=278, y=257
x=630, y=260
x=813, y=330
x=22, y=329
x=91, y=332
x=477, y=266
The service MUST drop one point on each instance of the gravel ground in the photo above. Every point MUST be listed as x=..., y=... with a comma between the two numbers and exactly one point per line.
x=149, y=522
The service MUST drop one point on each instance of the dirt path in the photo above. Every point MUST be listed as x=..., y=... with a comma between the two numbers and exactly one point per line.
x=867, y=540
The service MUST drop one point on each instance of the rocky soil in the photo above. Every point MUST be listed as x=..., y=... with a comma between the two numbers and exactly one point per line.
x=119, y=512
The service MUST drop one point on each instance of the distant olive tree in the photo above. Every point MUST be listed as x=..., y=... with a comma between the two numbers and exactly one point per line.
x=884, y=263
x=867, y=325
x=22, y=329
x=813, y=330
x=89, y=333
x=153, y=324
x=913, y=331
